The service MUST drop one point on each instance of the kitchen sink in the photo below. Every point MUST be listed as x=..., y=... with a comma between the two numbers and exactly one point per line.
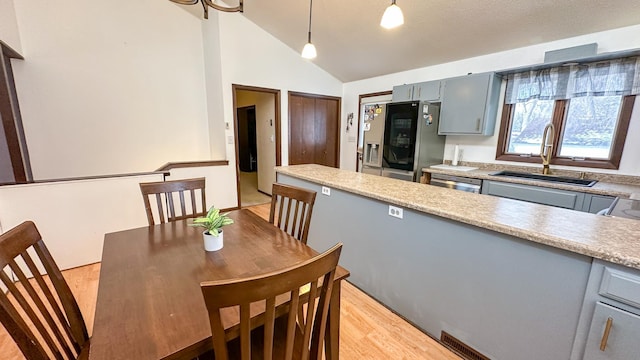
x=549, y=178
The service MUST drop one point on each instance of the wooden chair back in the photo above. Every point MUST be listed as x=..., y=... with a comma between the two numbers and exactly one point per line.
x=40, y=313
x=299, y=338
x=291, y=209
x=166, y=193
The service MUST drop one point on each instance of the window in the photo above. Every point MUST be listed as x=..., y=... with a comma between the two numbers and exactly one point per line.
x=589, y=105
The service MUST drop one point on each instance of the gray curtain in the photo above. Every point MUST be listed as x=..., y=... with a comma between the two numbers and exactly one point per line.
x=603, y=78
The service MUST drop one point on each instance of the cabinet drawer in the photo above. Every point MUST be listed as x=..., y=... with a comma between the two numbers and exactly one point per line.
x=621, y=339
x=621, y=286
x=534, y=194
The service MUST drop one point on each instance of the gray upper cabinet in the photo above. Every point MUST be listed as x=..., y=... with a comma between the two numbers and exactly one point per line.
x=424, y=91
x=469, y=105
x=402, y=93
x=427, y=91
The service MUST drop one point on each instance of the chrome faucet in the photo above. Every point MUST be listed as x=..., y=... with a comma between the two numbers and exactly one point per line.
x=546, y=146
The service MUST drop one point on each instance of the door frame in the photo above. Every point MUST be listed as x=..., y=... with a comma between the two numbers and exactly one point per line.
x=339, y=117
x=360, y=97
x=276, y=92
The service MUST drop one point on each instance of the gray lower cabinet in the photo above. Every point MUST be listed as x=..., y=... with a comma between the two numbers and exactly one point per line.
x=548, y=196
x=505, y=297
x=594, y=203
x=609, y=323
x=613, y=334
x=535, y=194
x=469, y=105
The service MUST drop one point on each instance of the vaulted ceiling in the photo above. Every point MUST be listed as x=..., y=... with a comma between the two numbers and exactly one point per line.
x=352, y=46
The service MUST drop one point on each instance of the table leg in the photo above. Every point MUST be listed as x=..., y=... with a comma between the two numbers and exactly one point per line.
x=332, y=333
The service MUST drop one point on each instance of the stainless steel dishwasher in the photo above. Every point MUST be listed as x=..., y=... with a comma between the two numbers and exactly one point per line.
x=456, y=182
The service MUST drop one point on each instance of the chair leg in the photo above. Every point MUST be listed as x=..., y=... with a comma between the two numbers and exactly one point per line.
x=332, y=333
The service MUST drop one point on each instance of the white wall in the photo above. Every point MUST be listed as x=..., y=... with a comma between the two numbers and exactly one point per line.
x=265, y=134
x=8, y=25
x=110, y=86
x=483, y=149
x=251, y=56
x=213, y=79
x=220, y=183
x=73, y=216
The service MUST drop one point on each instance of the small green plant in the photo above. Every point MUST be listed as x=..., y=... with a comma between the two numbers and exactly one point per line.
x=213, y=221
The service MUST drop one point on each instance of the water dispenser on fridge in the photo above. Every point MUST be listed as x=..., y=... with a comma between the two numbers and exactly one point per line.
x=373, y=133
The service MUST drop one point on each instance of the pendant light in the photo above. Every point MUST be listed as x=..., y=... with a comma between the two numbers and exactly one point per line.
x=392, y=17
x=309, y=50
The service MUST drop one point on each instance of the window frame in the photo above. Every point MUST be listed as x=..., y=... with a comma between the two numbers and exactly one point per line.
x=558, y=120
x=11, y=118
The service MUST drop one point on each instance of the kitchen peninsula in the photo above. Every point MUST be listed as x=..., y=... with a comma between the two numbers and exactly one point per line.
x=508, y=278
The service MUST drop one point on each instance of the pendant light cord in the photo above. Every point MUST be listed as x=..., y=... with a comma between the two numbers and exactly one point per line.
x=310, y=9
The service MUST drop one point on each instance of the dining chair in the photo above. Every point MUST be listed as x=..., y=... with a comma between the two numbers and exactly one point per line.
x=283, y=335
x=38, y=310
x=291, y=209
x=166, y=194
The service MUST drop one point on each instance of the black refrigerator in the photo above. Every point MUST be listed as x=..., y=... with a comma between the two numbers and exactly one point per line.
x=411, y=140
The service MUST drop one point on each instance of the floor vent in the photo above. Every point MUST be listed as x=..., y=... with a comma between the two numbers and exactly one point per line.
x=464, y=350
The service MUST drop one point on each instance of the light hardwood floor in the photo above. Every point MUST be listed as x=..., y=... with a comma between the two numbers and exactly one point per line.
x=368, y=330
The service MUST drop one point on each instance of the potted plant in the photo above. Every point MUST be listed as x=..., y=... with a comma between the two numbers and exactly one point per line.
x=213, y=223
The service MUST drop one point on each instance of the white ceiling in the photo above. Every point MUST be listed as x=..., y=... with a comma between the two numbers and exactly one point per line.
x=352, y=46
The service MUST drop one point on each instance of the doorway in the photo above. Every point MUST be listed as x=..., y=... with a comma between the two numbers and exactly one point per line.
x=257, y=138
x=247, y=142
x=314, y=129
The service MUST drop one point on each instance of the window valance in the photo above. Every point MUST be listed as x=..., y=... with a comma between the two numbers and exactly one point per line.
x=603, y=78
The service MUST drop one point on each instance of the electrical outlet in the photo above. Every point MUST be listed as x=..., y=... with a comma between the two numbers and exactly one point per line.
x=326, y=191
x=395, y=211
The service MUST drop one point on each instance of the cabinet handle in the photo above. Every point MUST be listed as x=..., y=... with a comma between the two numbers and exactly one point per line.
x=419, y=91
x=478, y=124
x=605, y=336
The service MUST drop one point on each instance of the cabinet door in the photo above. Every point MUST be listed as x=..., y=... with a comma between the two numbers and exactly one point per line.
x=535, y=194
x=469, y=105
x=427, y=91
x=402, y=93
x=463, y=104
x=599, y=202
x=620, y=342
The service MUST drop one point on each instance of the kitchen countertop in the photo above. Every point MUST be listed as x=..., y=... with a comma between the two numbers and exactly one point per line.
x=600, y=188
x=608, y=238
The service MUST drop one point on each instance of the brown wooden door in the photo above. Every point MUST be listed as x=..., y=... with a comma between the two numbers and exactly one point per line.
x=314, y=135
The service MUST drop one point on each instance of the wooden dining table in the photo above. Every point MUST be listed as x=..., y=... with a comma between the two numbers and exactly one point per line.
x=150, y=305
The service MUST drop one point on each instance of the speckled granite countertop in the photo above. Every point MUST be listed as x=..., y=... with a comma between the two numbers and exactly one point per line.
x=608, y=238
x=604, y=186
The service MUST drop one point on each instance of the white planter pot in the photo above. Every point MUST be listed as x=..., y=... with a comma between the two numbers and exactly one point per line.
x=212, y=243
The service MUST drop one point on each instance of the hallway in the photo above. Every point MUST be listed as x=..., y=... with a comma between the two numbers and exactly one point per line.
x=249, y=194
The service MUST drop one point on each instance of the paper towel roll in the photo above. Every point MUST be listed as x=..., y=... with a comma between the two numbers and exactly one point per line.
x=456, y=153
